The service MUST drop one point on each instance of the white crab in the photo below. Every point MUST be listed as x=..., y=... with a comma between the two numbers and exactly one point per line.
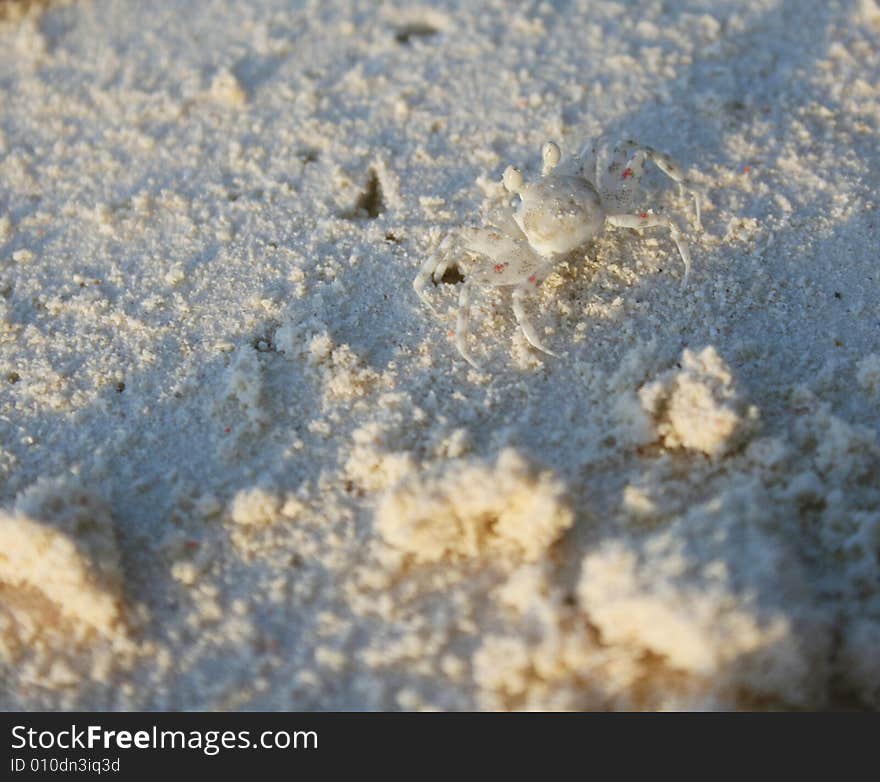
x=571, y=202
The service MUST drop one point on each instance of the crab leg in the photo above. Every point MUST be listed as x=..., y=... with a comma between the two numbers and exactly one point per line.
x=462, y=325
x=434, y=267
x=527, y=288
x=620, y=179
x=650, y=220
x=421, y=281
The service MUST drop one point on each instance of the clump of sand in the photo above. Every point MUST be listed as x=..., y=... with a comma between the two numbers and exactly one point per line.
x=472, y=508
x=254, y=507
x=678, y=598
x=62, y=610
x=698, y=406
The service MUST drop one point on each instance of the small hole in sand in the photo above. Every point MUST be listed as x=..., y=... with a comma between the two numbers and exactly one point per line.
x=370, y=203
x=405, y=33
x=265, y=342
x=452, y=276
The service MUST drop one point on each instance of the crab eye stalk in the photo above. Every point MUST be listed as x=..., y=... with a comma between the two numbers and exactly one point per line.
x=513, y=179
x=550, y=155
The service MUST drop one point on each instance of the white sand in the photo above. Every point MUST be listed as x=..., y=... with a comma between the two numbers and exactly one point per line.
x=243, y=467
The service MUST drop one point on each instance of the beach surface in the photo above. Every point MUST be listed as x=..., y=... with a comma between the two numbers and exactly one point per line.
x=242, y=466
